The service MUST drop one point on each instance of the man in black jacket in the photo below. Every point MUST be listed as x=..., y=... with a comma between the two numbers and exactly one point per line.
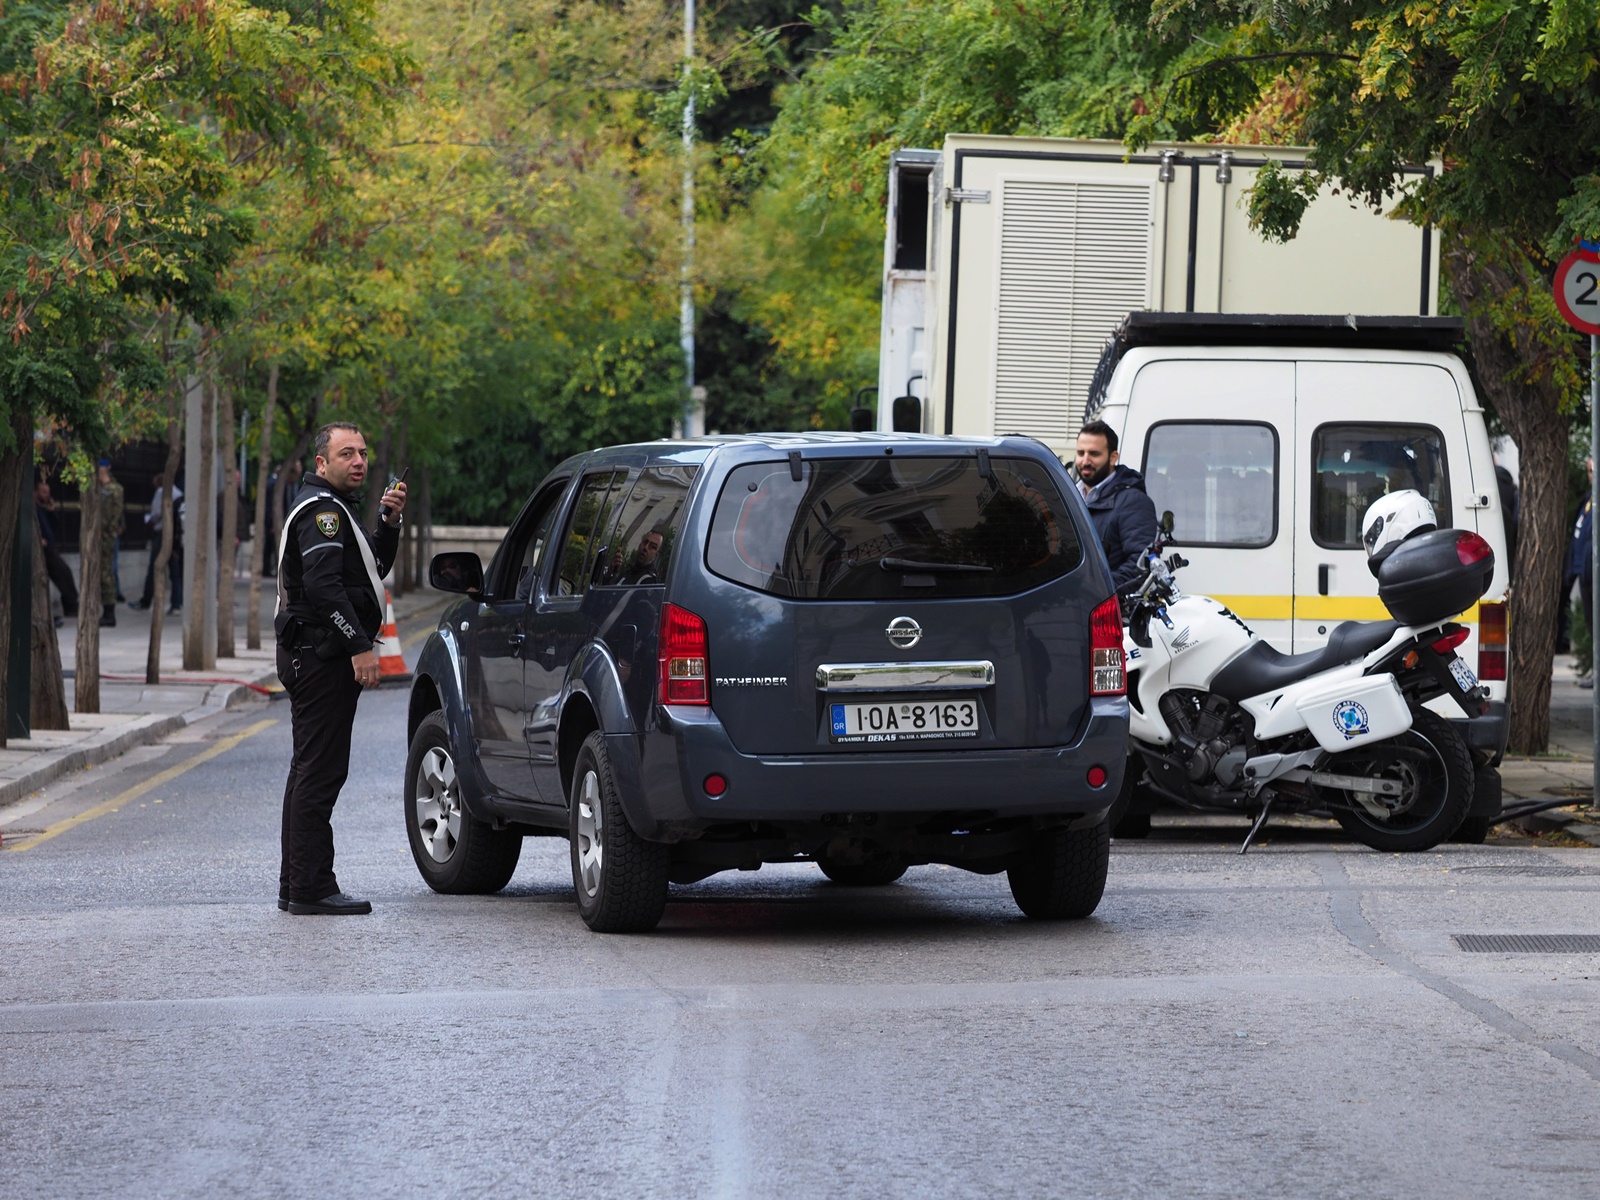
x=1124, y=516
x=330, y=611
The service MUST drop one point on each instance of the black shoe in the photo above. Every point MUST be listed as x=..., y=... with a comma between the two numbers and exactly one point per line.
x=141, y=605
x=283, y=904
x=60, y=621
x=109, y=617
x=336, y=905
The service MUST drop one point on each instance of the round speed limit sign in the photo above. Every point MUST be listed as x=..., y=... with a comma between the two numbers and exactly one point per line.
x=1578, y=290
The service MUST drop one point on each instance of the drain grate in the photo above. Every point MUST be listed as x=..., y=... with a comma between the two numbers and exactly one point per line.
x=1528, y=943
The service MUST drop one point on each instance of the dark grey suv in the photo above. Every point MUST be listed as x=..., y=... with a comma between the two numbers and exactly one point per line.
x=865, y=650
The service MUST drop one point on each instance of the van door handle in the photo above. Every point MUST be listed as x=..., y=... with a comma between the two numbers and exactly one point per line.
x=1323, y=571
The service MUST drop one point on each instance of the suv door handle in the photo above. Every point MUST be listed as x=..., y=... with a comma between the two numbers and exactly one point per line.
x=517, y=638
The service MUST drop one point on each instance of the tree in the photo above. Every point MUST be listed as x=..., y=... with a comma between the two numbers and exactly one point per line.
x=1506, y=95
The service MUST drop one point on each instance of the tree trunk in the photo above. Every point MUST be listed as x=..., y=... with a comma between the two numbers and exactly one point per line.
x=47, y=706
x=421, y=523
x=227, y=551
x=86, y=664
x=169, y=533
x=15, y=463
x=378, y=472
x=402, y=561
x=198, y=654
x=262, y=543
x=1484, y=274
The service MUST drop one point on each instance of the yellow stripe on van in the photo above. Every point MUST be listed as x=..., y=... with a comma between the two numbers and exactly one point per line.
x=1317, y=608
x=1259, y=608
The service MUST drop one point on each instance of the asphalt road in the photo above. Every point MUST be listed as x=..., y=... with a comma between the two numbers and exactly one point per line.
x=1297, y=1022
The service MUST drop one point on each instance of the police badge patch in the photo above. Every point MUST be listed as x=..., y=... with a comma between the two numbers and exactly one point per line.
x=328, y=522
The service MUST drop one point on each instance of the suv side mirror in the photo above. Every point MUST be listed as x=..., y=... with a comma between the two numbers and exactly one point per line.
x=456, y=571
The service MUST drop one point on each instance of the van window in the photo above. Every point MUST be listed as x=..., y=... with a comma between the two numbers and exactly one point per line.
x=1354, y=465
x=639, y=545
x=1219, y=479
x=892, y=528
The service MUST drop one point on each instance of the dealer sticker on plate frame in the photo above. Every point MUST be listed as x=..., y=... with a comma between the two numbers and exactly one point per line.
x=903, y=720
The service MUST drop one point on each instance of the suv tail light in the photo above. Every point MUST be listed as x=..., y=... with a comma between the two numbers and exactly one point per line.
x=683, y=657
x=1107, y=676
x=1491, y=641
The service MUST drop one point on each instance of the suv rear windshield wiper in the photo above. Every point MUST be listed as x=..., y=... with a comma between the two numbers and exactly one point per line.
x=933, y=568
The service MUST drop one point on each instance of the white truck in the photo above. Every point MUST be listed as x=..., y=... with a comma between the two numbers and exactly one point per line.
x=1267, y=392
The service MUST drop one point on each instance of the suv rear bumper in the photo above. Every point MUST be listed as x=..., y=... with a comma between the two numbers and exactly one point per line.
x=692, y=744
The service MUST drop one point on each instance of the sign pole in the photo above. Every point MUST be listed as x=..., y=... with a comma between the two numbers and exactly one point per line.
x=1577, y=295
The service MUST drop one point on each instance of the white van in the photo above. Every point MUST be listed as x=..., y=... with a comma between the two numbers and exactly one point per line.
x=1268, y=436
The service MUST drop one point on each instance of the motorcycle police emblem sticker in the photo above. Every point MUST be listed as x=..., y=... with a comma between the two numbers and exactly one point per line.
x=328, y=523
x=1350, y=719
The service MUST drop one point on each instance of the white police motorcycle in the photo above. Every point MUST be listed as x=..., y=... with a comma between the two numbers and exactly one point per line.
x=1222, y=721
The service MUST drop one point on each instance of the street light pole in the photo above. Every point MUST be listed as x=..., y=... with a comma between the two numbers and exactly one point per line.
x=693, y=422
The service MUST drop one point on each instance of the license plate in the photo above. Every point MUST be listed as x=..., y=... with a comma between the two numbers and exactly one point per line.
x=903, y=720
x=1463, y=675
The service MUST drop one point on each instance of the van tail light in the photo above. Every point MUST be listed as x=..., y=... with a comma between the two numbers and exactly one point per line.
x=1492, y=641
x=683, y=657
x=1452, y=639
x=1471, y=548
x=1107, y=673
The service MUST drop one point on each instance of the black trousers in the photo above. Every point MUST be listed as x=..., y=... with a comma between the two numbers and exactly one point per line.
x=322, y=710
x=61, y=575
x=174, y=573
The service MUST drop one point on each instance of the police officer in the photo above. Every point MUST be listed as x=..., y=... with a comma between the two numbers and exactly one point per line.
x=330, y=610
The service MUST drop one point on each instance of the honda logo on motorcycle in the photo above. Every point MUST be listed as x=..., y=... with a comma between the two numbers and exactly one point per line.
x=1350, y=719
x=904, y=632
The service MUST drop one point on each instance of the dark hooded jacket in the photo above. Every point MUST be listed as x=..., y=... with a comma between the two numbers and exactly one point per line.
x=1125, y=522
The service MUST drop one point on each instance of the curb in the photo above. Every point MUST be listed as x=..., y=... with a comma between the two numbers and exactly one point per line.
x=113, y=743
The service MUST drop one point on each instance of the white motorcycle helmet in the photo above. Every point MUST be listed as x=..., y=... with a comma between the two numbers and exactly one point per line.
x=1390, y=520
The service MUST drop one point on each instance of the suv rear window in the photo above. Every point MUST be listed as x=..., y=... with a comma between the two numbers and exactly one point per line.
x=889, y=528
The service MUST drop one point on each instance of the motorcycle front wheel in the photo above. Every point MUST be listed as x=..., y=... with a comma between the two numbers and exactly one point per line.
x=1431, y=764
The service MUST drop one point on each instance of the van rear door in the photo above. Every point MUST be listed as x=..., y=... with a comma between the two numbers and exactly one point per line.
x=1367, y=428
x=1213, y=437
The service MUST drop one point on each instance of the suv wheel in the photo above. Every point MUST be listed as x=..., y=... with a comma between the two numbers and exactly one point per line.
x=454, y=853
x=1063, y=875
x=620, y=878
x=875, y=872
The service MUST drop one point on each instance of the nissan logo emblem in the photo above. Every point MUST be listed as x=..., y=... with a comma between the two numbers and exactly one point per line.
x=904, y=632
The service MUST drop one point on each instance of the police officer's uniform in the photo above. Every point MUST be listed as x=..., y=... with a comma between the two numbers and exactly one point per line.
x=330, y=608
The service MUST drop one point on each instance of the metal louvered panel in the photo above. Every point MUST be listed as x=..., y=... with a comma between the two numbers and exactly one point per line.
x=1528, y=943
x=1075, y=258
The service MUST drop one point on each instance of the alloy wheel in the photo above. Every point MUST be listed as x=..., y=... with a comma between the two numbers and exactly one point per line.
x=438, y=801
x=591, y=852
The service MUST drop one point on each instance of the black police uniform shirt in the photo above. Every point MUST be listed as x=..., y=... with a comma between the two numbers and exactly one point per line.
x=324, y=580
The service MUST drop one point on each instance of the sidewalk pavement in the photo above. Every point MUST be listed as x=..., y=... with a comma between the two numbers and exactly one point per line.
x=135, y=714
x=1566, y=769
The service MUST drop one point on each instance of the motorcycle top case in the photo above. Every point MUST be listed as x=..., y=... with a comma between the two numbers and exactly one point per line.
x=1424, y=581
x=1353, y=712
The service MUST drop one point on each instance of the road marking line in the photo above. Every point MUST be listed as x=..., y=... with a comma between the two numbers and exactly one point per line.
x=133, y=793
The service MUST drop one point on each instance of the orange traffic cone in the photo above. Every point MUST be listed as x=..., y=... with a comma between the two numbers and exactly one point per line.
x=391, y=662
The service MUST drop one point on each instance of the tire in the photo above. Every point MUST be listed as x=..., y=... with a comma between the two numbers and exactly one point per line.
x=620, y=878
x=1064, y=875
x=455, y=854
x=1435, y=771
x=1124, y=822
x=875, y=872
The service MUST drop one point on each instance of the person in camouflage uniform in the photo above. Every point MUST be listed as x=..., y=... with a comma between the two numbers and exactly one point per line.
x=111, y=506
